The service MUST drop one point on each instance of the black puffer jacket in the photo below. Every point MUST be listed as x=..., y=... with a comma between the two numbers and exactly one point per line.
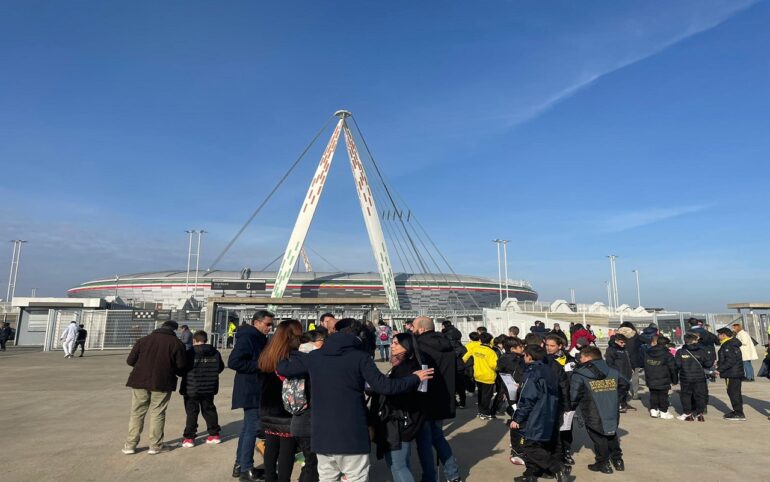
x=454, y=336
x=274, y=417
x=619, y=359
x=512, y=364
x=730, y=364
x=708, y=340
x=438, y=353
x=660, y=368
x=691, y=361
x=204, y=364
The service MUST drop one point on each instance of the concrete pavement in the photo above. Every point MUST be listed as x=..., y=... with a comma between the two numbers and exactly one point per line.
x=67, y=420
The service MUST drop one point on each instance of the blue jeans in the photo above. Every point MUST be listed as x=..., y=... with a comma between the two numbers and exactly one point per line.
x=748, y=370
x=247, y=441
x=431, y=436
x=398, y=462
x=384, y=352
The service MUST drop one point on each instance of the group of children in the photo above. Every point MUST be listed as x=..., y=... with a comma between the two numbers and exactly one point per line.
x=542, y=386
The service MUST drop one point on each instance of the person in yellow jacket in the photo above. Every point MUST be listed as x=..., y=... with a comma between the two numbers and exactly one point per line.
x=231, y=327
x=484, y=372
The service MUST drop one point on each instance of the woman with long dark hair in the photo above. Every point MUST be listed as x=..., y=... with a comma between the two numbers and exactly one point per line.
x=280, y=446
x=398, y=418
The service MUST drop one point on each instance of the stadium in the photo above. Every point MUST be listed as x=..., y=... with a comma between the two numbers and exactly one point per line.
x=171, y=289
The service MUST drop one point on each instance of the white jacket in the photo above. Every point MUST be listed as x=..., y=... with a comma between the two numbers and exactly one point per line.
x=748, y=352
x=70, y=333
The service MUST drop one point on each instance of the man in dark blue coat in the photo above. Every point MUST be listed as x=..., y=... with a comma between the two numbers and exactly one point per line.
x=249, y=342
x=536, y=417
x=339, y=372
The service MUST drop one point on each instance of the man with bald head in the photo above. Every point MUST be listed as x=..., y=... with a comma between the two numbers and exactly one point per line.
x=439, y=401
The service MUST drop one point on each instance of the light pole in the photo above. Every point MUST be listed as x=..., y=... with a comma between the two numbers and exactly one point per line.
x=197, y=261
x=572, y=295
x=638, y=291
x=14, y=268
x=609, y=295
x=505, y=263
x=614, y=280
x=117, y=282
x=34, y=292
x=190, y=233
x=499, y=271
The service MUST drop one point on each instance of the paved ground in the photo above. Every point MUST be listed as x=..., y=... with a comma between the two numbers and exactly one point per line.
x=67, y=419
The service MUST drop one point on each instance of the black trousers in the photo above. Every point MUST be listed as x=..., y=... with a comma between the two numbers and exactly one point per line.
x=734, y=392
x=310, y=469
x=485, y=397
x=204, y=406
x=565, y=442
x=540, y=457
x=694, y=396
x=81, y=344
x=279, y=458
x=659, y=400
x=470, y=383
x=499, y=397
x=606, y=447
x=460, y=387
x=2, y=344
x=623, y=396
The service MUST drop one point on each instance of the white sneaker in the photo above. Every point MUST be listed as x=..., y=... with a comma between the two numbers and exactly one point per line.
x=128, y=449
x=156, y=450
x=683, y=416
x=666, y=416
x=654, y=413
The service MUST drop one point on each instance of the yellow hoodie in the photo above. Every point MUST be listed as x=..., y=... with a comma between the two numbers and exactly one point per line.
x=484, y=362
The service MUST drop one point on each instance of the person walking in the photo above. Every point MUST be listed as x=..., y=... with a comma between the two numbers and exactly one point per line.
x=6, y=333
x=748, y=351
x=339, y=372
x=730, y=367
x=186, y=337
x=81, y=340
x=68, y=338
x=199, y=386
x=398, y=418
x=384, y=336
x=617, y=357
x=157, y=359
x=231, y=328
x=439, y=401
x=250, y=340
x=484, y=373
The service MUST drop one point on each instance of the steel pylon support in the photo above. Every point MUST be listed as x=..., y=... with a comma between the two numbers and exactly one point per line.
x=368, y=209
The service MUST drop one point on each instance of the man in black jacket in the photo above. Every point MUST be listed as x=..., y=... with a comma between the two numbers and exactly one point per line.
x=730, y=367
x=157, y=359
x=338, y=373
x=439, y=405
x=594, y=390
x=81, y=340
x=250, y=340
x=454, y=336
x=199, y=385
x=660, y=373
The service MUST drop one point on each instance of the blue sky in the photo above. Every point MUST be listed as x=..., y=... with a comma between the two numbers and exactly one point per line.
x=575, y=129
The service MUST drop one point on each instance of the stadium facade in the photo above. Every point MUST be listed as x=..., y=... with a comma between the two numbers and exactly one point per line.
x=171, y=289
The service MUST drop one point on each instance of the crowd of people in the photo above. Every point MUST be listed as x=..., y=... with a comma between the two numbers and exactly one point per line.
x=318, y=394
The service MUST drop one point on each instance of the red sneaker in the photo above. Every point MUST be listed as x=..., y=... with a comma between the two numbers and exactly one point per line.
x=213, y=439
x=188, y=443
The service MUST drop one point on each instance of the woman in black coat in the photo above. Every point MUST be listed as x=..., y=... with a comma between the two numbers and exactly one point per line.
x=280, y=446
x=397, y=418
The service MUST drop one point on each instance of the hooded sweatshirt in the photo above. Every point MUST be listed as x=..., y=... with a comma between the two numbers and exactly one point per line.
x=594, y=390
x=484, y=363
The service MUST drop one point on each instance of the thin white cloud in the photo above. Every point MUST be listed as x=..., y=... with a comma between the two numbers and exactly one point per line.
x=636, y=219
x=701, y=23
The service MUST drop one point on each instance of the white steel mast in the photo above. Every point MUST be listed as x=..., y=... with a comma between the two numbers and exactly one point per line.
x=368, y=208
